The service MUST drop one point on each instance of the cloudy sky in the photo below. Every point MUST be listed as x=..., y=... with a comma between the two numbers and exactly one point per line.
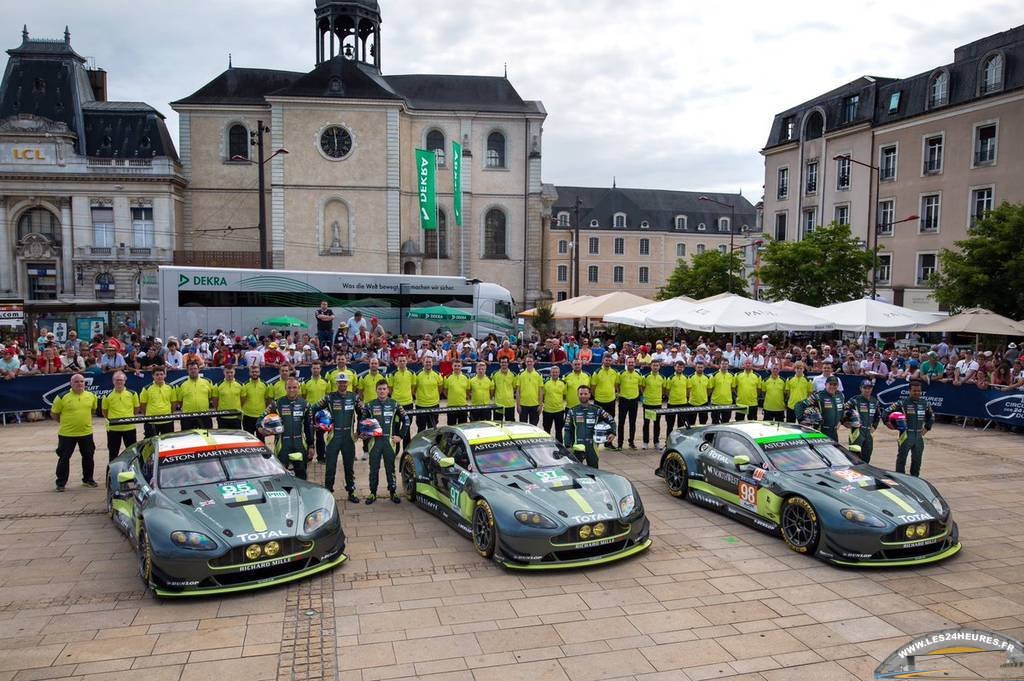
x=656, y=93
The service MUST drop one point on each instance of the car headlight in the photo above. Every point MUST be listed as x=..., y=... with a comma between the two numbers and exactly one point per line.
x=271, y=549
x=938, y=506
x=253, y=551
x=861, y=518
x=315, y=520
x=585, y=532
x=192, y=540
x=600, y=529
x=627, y=505
x=534, y=519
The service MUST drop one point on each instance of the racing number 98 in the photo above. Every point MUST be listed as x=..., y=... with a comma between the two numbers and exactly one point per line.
x=747, y=495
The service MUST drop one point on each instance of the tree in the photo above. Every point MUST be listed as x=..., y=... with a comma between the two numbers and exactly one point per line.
x=544, y=319
x=707, y=274
x=987, y=268
x=828, y=266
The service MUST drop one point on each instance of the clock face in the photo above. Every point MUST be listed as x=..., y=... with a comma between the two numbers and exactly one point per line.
x=336, y=142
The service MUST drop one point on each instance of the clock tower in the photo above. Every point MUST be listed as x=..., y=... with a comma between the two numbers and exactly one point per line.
x=348, y=28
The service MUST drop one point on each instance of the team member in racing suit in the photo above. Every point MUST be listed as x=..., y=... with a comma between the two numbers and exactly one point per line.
x=297, y=437
x=580, y=422
x=920, y=419
x=870, y=414
x=395, y=425
x=345, y=407
x=829, y=403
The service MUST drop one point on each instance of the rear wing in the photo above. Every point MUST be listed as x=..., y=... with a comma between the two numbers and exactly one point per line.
x=449, y=410
x=652, y=413
x=176, y=416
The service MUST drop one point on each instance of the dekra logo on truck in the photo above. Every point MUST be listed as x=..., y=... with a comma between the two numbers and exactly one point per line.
x=201, y=281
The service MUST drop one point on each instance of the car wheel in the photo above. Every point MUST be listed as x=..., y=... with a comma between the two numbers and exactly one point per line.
x=145, y=560
x=676, y=475
x=800, y=527
x=485, y=534
x=409, y=478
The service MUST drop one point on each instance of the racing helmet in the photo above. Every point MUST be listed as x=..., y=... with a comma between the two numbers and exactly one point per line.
x=323, y=421
x=851, y=419
x=370, y=428
x=897, y=421
x=272, y=423
x=602, y=433
x=811, y=417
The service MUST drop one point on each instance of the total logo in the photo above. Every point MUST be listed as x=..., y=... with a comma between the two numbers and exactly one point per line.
x=260, y=536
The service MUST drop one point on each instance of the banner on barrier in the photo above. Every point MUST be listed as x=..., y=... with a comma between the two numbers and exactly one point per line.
x=37, y=393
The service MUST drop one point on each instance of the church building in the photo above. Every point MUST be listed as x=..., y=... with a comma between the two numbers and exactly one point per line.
x=345, y=195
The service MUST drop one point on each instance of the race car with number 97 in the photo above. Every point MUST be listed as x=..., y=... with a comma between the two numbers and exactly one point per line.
x=822, y=500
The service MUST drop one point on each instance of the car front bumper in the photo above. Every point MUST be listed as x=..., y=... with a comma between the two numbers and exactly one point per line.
x=868, y=550
x=540, y=553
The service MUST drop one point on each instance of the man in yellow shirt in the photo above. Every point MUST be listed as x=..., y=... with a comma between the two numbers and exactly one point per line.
x=504, y=391
x=605, y=385
x=313, y=390
x=74, y=412
x=573, y=380
x=427, y=393
x=675, y=386
x=401, y=382
x=629, y=401
x=120, y=403
x=229, y=396
x=195, y=395
x=698, y=387
x=481, y=390
x=276, y=391
x=774, y=389
x=554, y=402
x=654, y=385
x=722, y=385
x=368, y=383
x=748, y=385
x=456, y=393
x=157, y=399
x=799, y=388
x=529, y=384
x=332, y=376
x=254, y=401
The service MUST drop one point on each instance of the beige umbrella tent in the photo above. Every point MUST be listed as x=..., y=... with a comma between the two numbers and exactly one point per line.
x=976, y=320
x=600, y=306
x=557, y=308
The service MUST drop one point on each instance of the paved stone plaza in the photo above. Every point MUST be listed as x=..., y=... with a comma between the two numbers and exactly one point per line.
x=711, y=599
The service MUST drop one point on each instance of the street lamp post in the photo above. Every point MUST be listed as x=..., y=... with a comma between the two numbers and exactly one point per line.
x=256, y=140
x=576, y=249
x=732, y=229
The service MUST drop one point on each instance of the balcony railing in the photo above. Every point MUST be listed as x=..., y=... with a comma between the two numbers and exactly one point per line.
x=244, y=259
x=123, y=253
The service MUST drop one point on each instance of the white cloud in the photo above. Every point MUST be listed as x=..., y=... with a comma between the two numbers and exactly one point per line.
x=657, y=93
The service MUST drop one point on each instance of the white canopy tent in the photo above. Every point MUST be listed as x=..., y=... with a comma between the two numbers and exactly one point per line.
x=874, y=315
x=735, y=314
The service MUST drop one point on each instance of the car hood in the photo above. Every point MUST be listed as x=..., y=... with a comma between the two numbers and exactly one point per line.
x=567, y=493
x=870, y=489
x=244, y=511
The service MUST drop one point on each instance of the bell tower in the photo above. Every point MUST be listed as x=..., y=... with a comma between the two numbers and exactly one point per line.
x=348, y=28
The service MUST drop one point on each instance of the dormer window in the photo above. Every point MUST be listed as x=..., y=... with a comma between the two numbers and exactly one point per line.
x=563, y=219
x=619, y=221
x=702, y=227
x=644, y=224
x=938, y=89
x=680, y=222
x=594, y=223
x=991, y=79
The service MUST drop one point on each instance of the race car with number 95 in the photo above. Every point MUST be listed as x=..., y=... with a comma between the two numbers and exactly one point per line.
x=822, y=500
x=522, y=497
x=214, y=512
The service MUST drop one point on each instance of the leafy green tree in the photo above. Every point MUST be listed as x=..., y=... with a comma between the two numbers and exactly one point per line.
x=828, y=266
x=544, y=319
x=987, y=268
x=707, y=274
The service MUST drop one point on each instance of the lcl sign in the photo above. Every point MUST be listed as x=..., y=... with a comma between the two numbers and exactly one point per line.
x=28, y=154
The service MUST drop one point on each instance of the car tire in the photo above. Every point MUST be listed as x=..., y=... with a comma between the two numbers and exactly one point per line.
x=800, y=526
x=145, y=560
x=677, y=476
x=409, y=478
x=485, y=532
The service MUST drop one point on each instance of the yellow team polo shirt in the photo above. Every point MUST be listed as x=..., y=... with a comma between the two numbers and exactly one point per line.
x=774, y=394
x=554, y=396
x=629, y=384
x=120, y=405
x=698, y=385
x=529, y=384
x=654, y=389
x=75, y=412
x=229, y=395
x=428, y=388
x=456, y=387
x=677, y=389
x=504, y=388
x=368, y=386
x=314, y=390
x=722, y=384
x=401, y=386
x=573, y=381
x=604, y=382
x=353, y=380
x=157, y=399
x=799, y=389
x=254, y=398
x=480, y=390
x=747, y=387
x=195, y=395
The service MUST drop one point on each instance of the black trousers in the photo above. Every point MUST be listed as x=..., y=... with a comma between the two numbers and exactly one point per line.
x=749, y=415
x=656, y=423
x=608, y=407
x=774, y=415
x=196, y=422
x=627, y=415
x=320, y=445
x=425, y=422
x=229, y=423
x=65, y=448
x=673, y=421
x=457, y=417
x=721, y=416
x=556, y=419
x=505, y=413
x=408, y=431
x=790, y=415
x=151, y=429
x=341, y=444
x=118, y=439
x=530, y=415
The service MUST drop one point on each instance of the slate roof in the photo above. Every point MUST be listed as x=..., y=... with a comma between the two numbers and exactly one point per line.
x=241, y=86
x=460, y=93
x=658, y=206
x=875, y=93
x=339, y=78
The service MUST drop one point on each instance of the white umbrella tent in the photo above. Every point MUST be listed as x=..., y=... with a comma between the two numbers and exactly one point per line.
x=866, y=315
x=736, y=314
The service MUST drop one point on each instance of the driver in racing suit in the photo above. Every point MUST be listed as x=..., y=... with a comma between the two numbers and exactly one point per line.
x=344, y=407
x=870, y=414
x=580, y=422
x=829, y=403
x=297, y=437
x=394, y=423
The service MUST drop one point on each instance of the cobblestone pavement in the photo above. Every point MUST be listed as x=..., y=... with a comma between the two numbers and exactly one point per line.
x=711, y=599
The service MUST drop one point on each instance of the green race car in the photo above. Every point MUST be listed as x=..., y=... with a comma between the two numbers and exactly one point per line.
x=212, y=512
x=822, y=500
x=522, y=497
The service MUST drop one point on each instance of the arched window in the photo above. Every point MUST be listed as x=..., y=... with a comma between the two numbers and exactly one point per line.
x=409, y=268
x=938, y=89
x=495, y=150
x=594, y=223
x=105, y=286
x=680, y=222
x=619, y=220
x=723, y=224
x=700, y=248
x=39, y=221
x=814, y=125
x=991, y=74
x=435, y=143
x=494, y=234
x=435, y=237
x=238, y=142
x=563, y=219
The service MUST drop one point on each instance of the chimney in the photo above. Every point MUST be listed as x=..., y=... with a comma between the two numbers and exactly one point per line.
x=98, y=81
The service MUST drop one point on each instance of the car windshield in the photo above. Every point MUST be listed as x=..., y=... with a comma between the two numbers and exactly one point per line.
x=186, y=469
x=809, y=455
x=518, y=455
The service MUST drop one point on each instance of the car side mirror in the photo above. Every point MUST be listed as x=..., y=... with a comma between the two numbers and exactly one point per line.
x=741, y=461
x=124, y=477
x=446, y=462
x=296, y=457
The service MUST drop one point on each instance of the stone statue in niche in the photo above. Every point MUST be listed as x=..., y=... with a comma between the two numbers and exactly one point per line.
x=336, y=246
